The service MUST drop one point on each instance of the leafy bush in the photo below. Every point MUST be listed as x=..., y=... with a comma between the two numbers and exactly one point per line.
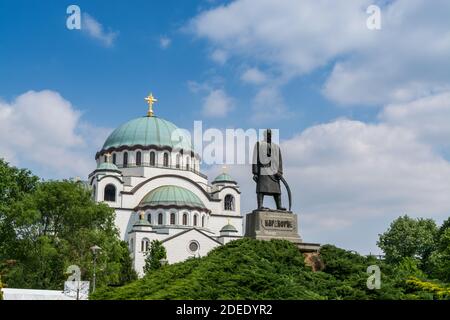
x=252, y=269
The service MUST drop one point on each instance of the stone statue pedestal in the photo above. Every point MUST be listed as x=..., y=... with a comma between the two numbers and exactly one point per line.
x=272, y=224
x=275, y=224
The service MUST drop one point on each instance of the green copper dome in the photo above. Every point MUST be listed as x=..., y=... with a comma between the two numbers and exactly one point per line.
x=224, y=177
x=172, y=196
x=107, y=166
x=147, y=131
x=228, y=228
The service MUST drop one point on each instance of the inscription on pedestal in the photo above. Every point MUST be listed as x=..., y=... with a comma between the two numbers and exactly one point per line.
x=271, y=224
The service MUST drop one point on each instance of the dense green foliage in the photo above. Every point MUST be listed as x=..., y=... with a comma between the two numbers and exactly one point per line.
x=408, y=237
x=154, y=255
x=48, y=226
x=252, y=269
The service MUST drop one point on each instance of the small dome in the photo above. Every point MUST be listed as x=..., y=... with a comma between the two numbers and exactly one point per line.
x=228, y=228
x=141, y=222
x=147, y=131
x=107, y=166
x=172, y=197
x=224, y=177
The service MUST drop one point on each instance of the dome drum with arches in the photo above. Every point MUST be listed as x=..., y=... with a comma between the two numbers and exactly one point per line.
x=171, y=196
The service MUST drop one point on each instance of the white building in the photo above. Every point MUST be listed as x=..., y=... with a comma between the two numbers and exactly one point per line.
x=149, y=173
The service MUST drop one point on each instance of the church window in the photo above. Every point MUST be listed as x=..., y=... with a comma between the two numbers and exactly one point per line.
x=152, y=158
x=185, y=219
x=110, y=193
x=203, y=221
x=114, y=158
x=106, y=159
x=172, y=218
x=131, y=244
x=138, y=158
x=160, y=218
x=195, y=220
x=194, y=246
x=187, y=163
x=94, y=192
x=178, y=161
x=166, y=160
x=149, y=218
x=125, y=159
x=229, y=203
x=145, y=243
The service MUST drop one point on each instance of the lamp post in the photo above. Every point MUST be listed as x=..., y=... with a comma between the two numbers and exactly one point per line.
x=94, y=249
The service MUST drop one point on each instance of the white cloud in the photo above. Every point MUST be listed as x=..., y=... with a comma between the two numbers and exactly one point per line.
x=217, y=104
x=406, y=59
x=268, y=105
x=164, y=42
x=350, y=179
x=96, y=31
x=254, y=76
x=428, y=118
x=219, y=56
x=44, y=132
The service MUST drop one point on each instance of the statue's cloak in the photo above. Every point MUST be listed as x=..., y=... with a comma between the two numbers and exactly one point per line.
x=267, y=163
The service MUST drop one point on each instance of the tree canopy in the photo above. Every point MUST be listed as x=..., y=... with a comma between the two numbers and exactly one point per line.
x=154, y=255
x=48, y=226
x=407, y=237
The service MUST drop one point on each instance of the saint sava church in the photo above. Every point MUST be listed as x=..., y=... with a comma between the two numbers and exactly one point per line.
x=159, y=193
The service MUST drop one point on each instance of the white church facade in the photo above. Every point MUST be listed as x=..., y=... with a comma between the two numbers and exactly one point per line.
x=149, y=173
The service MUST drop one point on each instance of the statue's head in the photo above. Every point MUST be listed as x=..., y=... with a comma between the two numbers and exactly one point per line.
x=268, y=136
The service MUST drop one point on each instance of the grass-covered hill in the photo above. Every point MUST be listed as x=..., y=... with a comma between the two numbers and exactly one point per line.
x=252, y=269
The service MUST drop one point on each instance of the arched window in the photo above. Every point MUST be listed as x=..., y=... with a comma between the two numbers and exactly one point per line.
x=185, y=219
x=94, y=192
x=178, y=161
x=172, y=218
x=203, y=221
x=188, y=163
x=195, y=220
x=152, y=158
x=138, y=158
x=106, y=159
x=131, y=244
x=114, y=158
x=110, y=193
x=125, y=159
x=149, y=218
x=160, y=218
x=145, y=244
x=229, y=203
x=166, y=160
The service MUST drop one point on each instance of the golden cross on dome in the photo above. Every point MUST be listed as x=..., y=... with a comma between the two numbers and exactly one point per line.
x=150, y=100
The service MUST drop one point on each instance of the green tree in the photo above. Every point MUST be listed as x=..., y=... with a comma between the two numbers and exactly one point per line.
x=14, y=185
x=408, y=237
x=440, y=258
x=154, y=255
x=54, y=227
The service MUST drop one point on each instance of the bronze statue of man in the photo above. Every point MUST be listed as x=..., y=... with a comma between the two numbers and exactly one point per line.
x=267, y=169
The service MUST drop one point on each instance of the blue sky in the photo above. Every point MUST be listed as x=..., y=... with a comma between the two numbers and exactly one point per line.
x=108, y=84
x=363, y=114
